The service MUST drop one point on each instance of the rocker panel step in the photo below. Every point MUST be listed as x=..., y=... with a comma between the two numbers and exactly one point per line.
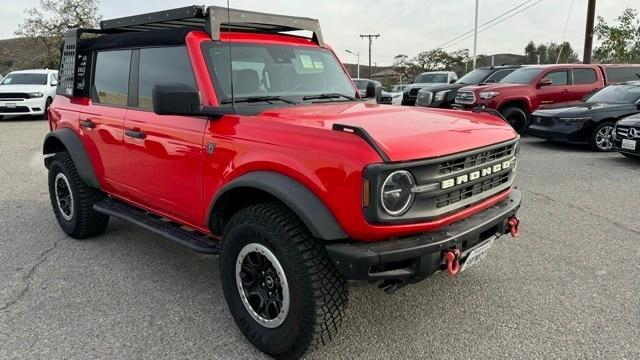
x=193, y=240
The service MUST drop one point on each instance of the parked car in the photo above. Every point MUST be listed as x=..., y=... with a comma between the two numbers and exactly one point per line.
x=27, y=92
x=524, y=90
x=443, y=95
x=626, y=136
x=271, y=160
x=426, y=79
x=590, y=121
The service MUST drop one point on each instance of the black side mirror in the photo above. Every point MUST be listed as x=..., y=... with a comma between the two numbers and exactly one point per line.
x=371, y=90
x=452, y=81
x=180, y=99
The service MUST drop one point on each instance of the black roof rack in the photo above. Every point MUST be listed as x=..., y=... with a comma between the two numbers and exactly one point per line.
x=212, y=19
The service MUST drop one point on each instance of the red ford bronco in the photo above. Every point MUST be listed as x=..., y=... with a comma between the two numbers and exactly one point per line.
x=221, y=131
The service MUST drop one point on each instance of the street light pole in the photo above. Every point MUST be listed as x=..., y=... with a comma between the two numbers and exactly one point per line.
x=356, y=53
x=475, y=37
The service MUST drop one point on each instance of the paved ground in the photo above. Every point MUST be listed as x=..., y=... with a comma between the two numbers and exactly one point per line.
x=567, y=288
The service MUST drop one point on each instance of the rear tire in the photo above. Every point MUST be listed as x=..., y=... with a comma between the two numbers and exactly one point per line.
x=601, y=137
x=631, y=156
x=72, y=200
x=517, y=118
x=266, y=247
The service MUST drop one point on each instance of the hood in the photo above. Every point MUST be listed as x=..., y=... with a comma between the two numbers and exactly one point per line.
x=633, y=120
x=493, y=87
x=21, y=88
x=422, y=85
x=404, y=132
x=579, y=108
x=441, y=87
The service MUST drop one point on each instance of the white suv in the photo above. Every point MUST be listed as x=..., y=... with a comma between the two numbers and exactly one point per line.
x=27, y=92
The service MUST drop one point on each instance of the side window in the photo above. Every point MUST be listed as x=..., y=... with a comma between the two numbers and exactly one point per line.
x=498, y=75
x=584, y=76
x=111, y=77
x=168, y=65
x=559, y=77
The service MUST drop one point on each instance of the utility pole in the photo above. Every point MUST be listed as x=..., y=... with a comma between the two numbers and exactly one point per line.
x=588, y=34
x=356, y=53
x=475, y=38
x=370, y=37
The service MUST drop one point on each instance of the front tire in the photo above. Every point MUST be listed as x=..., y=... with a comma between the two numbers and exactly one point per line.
x=601, y=139
x=72, y=200
x=282, y=289
x=517, y=118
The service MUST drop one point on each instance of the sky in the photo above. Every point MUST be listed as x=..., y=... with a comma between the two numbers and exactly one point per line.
x=406, y=26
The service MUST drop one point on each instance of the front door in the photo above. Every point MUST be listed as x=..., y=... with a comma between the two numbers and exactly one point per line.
x=558, y=91
x=164, y=154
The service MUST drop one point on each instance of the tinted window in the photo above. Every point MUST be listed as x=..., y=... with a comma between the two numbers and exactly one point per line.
x=558, y=77
x=499, y=75
x=162, y=66
x=25, y=79
x=619, y=74
x=584, y=76
x=521, y=76
x=111, y=78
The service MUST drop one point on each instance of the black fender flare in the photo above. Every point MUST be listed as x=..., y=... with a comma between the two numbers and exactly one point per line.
x=302, y=201
x=73, y=145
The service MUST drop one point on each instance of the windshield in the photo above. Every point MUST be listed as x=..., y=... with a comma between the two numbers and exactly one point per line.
x=432, y=78
x=616, y=94
x=521, y=76
x=25, y=79
x=288, y=72
x=474, y=77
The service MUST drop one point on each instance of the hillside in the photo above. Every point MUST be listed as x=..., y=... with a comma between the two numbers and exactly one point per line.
x=18, y=54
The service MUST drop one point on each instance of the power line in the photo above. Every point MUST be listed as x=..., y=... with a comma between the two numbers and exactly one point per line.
x=496, y=23
x=486, y=23
x=564, y=32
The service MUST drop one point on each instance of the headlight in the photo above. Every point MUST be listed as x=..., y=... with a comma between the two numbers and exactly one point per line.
x=573, y=120
x=440, y=95
x=488, y=95
x=36, y=95
x=396, y=195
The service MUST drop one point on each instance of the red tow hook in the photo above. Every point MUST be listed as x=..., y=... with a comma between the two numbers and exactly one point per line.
x=513, y=225
x=452, y=259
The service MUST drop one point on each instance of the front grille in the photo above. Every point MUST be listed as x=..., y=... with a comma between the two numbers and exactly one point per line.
x=424, y=98
x=465, y=97
x=471, y=190
x=14, y=96
x=623, y=132
x=17, y=109
x=542, y=121
x=483, y=157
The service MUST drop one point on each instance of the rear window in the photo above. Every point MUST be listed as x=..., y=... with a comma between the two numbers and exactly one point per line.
x=111, y=77
x=584, y=76
x=620, y=74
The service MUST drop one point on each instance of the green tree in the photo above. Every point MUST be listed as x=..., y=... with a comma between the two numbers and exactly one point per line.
x=550, y=53
x=47, y=24
x=619, y=43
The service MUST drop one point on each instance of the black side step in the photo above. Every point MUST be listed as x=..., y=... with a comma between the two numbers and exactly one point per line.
x=192, y=239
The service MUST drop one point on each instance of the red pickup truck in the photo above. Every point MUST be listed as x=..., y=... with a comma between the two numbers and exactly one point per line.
x=524, y=90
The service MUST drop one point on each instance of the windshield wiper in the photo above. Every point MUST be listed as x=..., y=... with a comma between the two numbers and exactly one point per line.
x=328, y=96
x=254, y=99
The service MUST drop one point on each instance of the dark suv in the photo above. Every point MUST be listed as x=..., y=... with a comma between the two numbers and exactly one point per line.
x=444, y=95
x=254, y=144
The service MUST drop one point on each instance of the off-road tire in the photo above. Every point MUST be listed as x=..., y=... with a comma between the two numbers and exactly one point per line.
x=318, y=293
x=85, y=222
x=593, y=142
x=632, y=156
x=517, y=118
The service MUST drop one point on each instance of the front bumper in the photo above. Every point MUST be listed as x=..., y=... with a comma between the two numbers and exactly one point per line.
x=414, y=258
x=617, y=146
x=575, y=133
x=33, y=106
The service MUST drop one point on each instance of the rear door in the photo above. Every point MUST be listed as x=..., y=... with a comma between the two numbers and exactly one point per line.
x=558, y=91
x=163, y=153
x=101, y=121
x=585, y=81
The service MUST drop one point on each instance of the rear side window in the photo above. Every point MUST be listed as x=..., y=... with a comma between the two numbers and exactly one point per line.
x=558, y=77
x=162, y=66
x=620, y=74
x=584, y=76
x=111, y=77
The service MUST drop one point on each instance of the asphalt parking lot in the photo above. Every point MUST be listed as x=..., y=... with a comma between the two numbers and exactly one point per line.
x=568, y=287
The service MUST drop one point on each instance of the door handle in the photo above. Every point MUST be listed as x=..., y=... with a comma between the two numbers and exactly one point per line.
x=135, y=133
x=88, y=124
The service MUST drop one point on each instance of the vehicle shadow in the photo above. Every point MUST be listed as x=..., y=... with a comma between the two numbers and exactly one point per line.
x=22, y=118
x=555, y=145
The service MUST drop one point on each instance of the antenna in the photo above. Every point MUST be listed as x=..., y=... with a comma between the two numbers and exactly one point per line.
x=233, y=100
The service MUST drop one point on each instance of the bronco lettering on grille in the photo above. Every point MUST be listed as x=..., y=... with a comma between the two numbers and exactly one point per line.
x=462, y=179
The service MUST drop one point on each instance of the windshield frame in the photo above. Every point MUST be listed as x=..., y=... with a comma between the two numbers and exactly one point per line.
x=290, y=99
x=19, y=74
